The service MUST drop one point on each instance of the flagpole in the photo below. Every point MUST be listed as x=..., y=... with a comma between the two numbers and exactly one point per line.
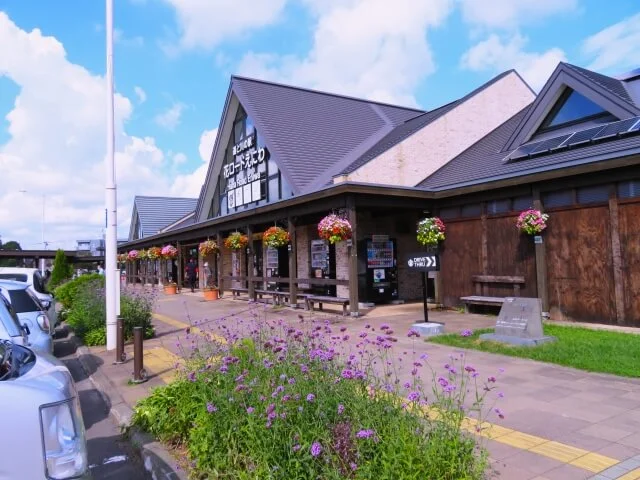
x=111, y=280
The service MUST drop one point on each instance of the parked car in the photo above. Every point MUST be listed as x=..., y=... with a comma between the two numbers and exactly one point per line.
x=33, y=278
x=41, y=416
x=30, y=313
x=10, y=328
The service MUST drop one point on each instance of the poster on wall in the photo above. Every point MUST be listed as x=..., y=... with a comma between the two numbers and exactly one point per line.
x=238, y=197
x=231, y=199
x=255, y=191
x=246, y=193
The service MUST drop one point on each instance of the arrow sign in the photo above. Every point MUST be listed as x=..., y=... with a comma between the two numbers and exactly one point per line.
x=424, y=262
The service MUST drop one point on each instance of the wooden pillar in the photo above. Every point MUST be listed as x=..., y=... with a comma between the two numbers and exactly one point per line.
x=485, y=245
x=180, y=271
x=250, y=263
x=353, y=258
x=541, y=260
x=219, y=263
x=293, y=264
x=616, y=254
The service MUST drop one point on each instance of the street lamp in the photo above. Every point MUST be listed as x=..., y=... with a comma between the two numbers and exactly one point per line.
x=44, y=243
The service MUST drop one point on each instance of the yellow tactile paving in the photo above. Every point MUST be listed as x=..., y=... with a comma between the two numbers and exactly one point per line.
x=594, y=462
x=195, y=330
x=632, y=475
x=521, y=440
x=161, y=362
x=559, y=451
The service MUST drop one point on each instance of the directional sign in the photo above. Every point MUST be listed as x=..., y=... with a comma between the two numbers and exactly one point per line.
x=424, y=262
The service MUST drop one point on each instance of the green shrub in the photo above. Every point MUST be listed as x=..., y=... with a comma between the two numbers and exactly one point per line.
x=97, y=336
x=67, y=292
x=284, y=404
x=62, y=270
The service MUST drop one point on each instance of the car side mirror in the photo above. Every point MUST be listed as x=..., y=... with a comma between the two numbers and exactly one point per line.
x=45, y=304
x=26, y=329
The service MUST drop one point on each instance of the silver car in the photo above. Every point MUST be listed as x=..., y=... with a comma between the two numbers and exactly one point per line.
x=10, y=328
x=30, y=314
x=37, y=285
x=41, y=409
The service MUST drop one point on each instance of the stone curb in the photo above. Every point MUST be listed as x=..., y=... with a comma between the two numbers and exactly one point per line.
x=157, y=460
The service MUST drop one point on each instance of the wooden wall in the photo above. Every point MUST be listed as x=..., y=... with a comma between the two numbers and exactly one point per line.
x=629, y=214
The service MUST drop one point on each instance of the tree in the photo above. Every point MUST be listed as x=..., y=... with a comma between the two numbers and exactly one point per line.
x=10, y=245
x=62, y=270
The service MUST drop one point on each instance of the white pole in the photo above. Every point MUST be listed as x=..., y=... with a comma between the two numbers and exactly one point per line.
x=110, y=237
x=44, y=245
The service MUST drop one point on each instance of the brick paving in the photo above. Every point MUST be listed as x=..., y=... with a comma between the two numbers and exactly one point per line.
x=580, y=424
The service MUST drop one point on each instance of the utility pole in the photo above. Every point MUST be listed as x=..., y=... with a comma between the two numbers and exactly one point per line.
x=112, y=281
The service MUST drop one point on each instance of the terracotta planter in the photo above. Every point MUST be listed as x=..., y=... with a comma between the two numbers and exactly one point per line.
x=170, y=289
x=211, y=294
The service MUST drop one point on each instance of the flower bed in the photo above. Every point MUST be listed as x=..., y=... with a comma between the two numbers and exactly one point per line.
x=430, y=231
x=532, y=222
x=208, y=247
x=236, y=241
x=275, y=237
x=334, y=228
x=283, y=403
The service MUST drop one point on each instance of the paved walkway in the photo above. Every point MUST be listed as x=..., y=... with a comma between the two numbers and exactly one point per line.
x=560, y=423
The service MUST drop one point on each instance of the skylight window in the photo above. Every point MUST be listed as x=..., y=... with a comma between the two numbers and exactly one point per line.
x=570, y=109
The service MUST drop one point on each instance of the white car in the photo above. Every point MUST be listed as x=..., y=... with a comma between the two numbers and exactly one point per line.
x=33, y=278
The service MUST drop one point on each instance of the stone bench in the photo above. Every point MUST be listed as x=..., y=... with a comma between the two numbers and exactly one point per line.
x=312, y=299
x=482, y=283
x=236, y=292
x=282, y=298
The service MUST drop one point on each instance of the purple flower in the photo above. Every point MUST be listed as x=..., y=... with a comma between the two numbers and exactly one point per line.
x=407, y=385
x=500, y=395
x=443, y=382
x=340, y=409
x=250, y=410
x=296, y=448
x=192, y=377
x=385, y=326
x=491, y=379
x=353, y=466
x=347, y=374
x=365, y=433
x=469, y=369
x=316, y=449
x=499, y=412
x=413, y=396
x=466, y=332
x=413, y=333
x=211, y=408
x=311, y=397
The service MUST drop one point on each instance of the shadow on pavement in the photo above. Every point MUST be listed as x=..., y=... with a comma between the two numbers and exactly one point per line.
x=114, y=458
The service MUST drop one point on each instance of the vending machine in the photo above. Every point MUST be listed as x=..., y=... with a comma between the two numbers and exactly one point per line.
x=277, y=266
x=323, y=265
x=381, y=274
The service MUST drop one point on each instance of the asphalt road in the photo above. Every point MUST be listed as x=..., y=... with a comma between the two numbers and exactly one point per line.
x=110, y=456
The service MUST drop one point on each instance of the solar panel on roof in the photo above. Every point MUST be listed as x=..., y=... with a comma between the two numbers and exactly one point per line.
x=524, y=150
x=615, y=128
x=583, y=136
x=550, y=144
x=636, y=126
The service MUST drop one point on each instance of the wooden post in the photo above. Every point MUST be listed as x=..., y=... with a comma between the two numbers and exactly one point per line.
x=485, y=246
x=353, y=258
x=179, y=265
x=250, y=263
x=541, y=261
x=219, y=263
x=616, y=254
x=293, y=264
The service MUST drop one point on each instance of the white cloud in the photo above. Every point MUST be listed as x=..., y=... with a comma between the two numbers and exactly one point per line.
x=616, y=46
x=498, y=54
x=56, y=146
x=140, y=93
x=120, y=38
x=366, y=48
x=509, y=14
x=170, y=118
x=189, y=185
x=206, y=23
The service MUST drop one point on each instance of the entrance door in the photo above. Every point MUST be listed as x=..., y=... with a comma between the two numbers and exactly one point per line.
x=283, y=265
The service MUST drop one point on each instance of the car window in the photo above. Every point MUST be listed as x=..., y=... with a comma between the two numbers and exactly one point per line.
x=22, y=302
x=38, y=283
x=9, y=319
x=18, y=277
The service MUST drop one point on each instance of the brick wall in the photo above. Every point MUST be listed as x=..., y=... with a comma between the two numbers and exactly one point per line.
x=304, y=234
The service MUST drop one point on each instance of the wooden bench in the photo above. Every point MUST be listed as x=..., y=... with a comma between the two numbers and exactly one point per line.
x=311, y=299
x=236, y=292
x=282, y=298
x=259, y=293
x=482, y=283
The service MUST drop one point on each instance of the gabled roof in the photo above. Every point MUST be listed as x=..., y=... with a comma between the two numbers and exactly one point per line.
x=188, y=219
x=310, y=133
x=154, y=213
x=607, y=92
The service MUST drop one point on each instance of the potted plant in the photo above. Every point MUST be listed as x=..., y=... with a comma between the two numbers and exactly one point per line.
x=154, y=253
x=430, y=231
x=168, y=252
x=208, y=247
x=532, y=222
x=142, y=254
x=236, y=241
x=132, y=256
x=275, y=237
x=170, y=288
x=334, y=228
x=211, y=291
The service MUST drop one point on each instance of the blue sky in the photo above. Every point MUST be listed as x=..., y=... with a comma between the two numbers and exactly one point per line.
x=173, y=59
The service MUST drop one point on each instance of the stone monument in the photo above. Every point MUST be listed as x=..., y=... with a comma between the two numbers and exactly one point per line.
x=519, y=323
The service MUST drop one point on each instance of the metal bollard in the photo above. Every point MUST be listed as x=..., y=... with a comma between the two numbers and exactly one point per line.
x=121, y=355
x=139, y=374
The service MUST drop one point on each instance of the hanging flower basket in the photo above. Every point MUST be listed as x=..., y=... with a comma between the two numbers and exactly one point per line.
x=334, y=228
x=532, y=222
x=122, y=257
x=154, y=253
x=168, y=252
x=275, y=237
x=132, y=256
x=430, y=231
x=236, y=241
x=142, y=254
x=208, y=247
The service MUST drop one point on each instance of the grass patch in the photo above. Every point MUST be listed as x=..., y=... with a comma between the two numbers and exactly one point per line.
x=583, y=348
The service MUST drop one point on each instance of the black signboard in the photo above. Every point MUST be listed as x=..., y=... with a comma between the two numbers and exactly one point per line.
x=424, y=261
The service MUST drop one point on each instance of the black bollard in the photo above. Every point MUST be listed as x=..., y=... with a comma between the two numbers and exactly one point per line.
x=121, y=356
x=139, y=375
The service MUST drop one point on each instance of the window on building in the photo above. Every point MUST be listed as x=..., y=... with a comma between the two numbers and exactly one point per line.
x=571, y=108
x=559, y=198
x=495, y=207
x=471, y=210
x=449, y=213
x=522, y=203
x=629, y=189
x=597, y=194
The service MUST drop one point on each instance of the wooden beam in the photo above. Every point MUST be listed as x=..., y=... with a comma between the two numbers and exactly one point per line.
x=293, y=264
x=250, y=264
x=541, y=261
x=353, y=258
x=180, y=269
x=219, y=263
x=484, y=241
x=616, y=254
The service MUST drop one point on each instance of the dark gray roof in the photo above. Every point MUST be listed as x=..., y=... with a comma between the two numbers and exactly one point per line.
x=312, y=134
x=155, y=213
x=185, y=221
x=611, y=84
x=484, y=162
